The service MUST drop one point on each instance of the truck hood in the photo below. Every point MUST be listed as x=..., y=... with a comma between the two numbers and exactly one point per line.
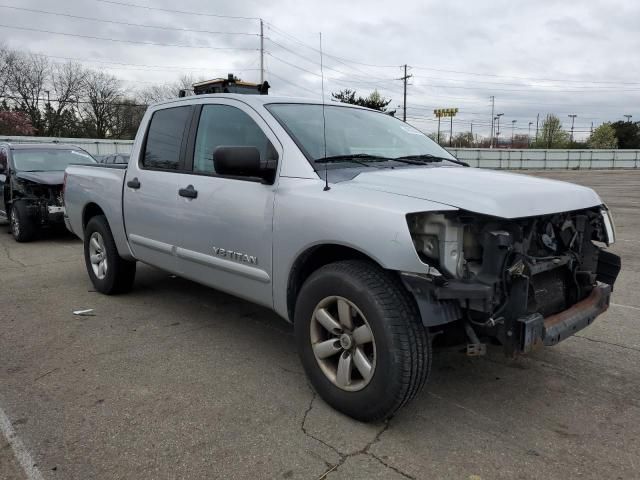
x=44, y=178
x=488, y=192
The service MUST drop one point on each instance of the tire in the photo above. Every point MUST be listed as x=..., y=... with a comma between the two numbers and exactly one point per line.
x=22, y=227
x=400, y=354
x=115, y=275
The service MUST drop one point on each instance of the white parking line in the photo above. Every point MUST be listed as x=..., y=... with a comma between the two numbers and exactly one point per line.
x=625, y=306
x=19, y=450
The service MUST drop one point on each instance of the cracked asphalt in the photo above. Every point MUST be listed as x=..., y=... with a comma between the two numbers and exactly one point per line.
x=179, y=381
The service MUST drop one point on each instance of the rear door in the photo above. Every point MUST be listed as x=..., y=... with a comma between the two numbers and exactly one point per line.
x=226, y=230
x=152, y=212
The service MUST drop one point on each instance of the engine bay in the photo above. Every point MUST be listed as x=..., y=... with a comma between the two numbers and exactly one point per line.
x=490, y=273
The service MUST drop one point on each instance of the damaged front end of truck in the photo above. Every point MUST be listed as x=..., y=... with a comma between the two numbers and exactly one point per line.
x=522, y=283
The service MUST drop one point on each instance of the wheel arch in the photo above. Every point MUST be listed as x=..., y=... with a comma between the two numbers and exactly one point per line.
x=312, y=259
x=89, y=211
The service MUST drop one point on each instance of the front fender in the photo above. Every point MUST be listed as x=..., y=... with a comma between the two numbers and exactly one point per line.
x=373, y=223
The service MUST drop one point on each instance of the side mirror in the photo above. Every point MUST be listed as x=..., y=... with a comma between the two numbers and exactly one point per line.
x=243, y=162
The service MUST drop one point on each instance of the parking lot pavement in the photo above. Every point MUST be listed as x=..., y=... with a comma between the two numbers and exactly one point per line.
x=179, y=381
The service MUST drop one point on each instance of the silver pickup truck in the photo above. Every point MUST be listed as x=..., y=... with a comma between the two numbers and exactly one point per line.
x=372, y=240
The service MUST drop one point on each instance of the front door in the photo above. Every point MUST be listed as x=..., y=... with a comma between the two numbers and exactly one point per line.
x=226, y=233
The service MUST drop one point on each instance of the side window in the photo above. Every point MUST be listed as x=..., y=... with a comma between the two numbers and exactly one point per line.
x=164, y=138
x=3, y=158
x=222, y=125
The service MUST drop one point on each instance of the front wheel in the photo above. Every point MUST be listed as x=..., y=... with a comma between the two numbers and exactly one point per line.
x=108, y=271
x=361, y=340
x=23, y=228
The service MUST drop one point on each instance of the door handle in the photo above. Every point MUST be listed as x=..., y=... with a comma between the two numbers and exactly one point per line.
x=188, y=192
x=134, y=183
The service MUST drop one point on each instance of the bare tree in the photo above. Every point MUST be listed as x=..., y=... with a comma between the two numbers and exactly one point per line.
x=167, y=91
x=7, y=60
x=27, y=79
x=67, y=86
x=103, y=93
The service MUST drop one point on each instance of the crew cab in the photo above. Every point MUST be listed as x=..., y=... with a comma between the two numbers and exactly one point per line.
x=353, y=225
x=31, y=177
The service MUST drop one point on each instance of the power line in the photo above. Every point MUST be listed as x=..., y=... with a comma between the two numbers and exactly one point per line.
x=510, y=83
x=326, y=67
x=291, y=83
x=143, y=66
x=184, y=12
x=564, y=80
x=126, y=41
x=282, y=32
x=76, y=102
x=94, y=19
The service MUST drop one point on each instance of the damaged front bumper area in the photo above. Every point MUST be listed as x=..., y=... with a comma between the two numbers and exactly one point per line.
x=43, y=213
x=523, y=284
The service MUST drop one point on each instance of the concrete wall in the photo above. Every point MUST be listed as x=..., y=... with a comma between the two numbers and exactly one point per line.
x=91, y=145
x=546, y=159
x=513, y=159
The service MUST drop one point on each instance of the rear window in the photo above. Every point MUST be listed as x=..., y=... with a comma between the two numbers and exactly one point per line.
x=164, y=139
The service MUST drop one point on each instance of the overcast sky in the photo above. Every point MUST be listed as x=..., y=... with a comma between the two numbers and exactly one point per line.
x=535, y=57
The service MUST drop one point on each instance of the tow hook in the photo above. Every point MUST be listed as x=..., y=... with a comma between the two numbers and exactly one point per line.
x=474, y=348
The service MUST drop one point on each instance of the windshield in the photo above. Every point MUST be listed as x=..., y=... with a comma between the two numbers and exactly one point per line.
x=352, y=131
x=48, y=160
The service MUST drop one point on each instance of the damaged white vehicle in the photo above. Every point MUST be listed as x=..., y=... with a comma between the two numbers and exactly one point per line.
x=369, y=237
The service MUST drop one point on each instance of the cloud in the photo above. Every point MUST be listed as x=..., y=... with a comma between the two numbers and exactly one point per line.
x=534, y=57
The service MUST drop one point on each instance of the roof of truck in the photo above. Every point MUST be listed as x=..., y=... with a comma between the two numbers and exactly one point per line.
x=257, y=100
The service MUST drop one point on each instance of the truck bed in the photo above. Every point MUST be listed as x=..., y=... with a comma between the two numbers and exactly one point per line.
x=92, y=185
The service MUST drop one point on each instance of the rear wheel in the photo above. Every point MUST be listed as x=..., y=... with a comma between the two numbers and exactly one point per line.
x=108, y=271
x=361, y=340
x=23, y=228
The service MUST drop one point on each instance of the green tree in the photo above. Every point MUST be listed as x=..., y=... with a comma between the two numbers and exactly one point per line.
x=551, y=134
x=374, y=101
x=603, y=137
x=627, y=133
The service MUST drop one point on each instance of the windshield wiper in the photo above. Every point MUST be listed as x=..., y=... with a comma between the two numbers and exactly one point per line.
x=361, y=158
x=429, y=158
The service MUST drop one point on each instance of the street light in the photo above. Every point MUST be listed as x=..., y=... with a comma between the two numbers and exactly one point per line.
x=498, y=129
x=628, y=117
x=529, y=142
x=513, y=128
x=573, y=118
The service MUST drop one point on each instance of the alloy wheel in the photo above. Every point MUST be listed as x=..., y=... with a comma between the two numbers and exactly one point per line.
x=98, y=255
x=343, y=343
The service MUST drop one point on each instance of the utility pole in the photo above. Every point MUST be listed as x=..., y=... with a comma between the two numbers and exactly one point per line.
x=628, y=117
x=404, y=105
x=537, y=120
x=591, y=131
x=261, y=51
x=48, y=112
x=513, y=128
x=573, y=119
x=529, y=136
x=438, y=130
x=498, y=129
x=472, y=134
x=493, y=105
x=451, y=131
